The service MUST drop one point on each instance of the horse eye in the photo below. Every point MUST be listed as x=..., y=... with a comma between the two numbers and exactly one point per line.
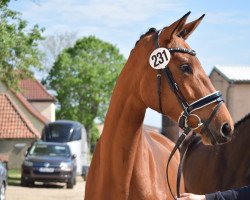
x=186, y=68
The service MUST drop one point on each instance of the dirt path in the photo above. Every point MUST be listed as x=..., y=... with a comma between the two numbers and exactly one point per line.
x=48, y=192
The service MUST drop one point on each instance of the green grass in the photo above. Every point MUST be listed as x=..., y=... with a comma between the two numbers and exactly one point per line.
x=14, y=176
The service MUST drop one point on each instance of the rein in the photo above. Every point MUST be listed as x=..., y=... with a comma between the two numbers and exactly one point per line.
x=215, y=97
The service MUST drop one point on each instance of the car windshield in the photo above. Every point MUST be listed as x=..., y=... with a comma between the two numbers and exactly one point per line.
x=62, y=132
x=59, y=133
x=49, y=150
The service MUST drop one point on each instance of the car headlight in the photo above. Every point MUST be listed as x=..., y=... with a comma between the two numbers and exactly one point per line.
x=28, y=163
x=65, y=166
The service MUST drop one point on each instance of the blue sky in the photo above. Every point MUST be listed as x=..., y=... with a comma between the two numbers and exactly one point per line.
x=223, y=37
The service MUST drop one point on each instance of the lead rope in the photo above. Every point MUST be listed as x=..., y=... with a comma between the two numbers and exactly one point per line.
x=177, y=145
x=178, y=181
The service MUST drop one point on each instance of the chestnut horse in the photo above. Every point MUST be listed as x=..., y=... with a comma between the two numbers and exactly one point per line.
x=129, y=163
x=211, y=168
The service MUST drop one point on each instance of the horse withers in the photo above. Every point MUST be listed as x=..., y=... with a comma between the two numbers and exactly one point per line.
x=163, y=73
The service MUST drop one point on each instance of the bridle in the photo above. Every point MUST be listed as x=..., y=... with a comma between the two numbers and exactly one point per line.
x=187, y=108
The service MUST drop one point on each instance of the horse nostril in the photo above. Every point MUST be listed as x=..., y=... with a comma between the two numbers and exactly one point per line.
x=226, y=130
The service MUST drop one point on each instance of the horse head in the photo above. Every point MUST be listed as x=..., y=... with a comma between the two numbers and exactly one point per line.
x=174, y=83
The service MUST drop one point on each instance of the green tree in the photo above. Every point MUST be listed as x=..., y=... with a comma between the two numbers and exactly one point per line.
x=18, y=46
x=83, y=77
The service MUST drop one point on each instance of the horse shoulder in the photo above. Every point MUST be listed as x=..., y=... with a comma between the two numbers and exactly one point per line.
x=149, y=173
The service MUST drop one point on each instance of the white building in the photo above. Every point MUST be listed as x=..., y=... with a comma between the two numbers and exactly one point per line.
x=234, y=84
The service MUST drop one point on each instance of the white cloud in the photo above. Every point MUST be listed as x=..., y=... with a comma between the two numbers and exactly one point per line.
x=106, y=12
x=119, y=22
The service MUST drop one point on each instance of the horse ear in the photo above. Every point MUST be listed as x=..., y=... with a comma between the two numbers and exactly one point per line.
x=168, y=32
x=190, y=27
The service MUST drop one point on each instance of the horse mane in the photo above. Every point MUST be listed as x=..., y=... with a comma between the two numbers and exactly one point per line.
x=238, y=123
x=151, y=30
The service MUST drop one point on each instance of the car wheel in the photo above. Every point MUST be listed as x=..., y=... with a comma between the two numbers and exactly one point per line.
x=3, y=192
x=31, y=183
x=24, y=183
x=27, y=183
x=70, y=183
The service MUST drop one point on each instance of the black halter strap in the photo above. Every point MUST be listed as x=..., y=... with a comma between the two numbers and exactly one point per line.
x=170, y=79
x=215, y=97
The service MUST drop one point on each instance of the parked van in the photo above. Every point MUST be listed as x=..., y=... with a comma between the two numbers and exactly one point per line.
x=74, y=134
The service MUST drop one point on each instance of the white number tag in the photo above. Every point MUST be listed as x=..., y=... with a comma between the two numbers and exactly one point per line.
x=159, y=58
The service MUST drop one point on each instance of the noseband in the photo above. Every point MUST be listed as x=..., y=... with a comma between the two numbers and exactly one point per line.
x=187, y=108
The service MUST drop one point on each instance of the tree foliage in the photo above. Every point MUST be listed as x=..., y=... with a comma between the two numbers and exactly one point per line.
x=83, y=77
x=18, y=46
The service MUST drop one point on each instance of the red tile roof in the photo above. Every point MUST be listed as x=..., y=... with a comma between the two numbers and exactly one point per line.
x=33, y=111
x=13, y=123
x=33, y=90
x=4, y=158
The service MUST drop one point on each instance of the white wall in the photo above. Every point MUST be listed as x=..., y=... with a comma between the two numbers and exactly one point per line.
x=47, y=109
x=236, y=95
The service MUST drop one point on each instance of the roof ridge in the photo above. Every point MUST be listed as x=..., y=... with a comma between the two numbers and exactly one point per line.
x=232, y=66
x=233, y=73
x=43, y=88
x=30, y=108
x=33, y=90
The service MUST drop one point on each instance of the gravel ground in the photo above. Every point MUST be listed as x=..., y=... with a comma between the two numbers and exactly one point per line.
x=46, y=191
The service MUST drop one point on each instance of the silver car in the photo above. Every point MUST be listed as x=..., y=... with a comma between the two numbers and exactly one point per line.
x=3, y=181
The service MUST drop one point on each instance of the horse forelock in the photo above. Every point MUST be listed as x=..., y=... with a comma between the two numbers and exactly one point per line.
x=150, y=31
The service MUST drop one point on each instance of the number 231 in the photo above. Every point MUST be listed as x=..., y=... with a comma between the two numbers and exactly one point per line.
x=159, y=58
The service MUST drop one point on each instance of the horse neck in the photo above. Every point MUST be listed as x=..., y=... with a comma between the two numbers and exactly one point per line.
x=126, y=110
x=125, y=115
x=240, y=140
x=122, y=127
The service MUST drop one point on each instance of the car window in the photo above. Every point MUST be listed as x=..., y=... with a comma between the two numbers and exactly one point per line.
x=58, y=133
x=49, y=150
